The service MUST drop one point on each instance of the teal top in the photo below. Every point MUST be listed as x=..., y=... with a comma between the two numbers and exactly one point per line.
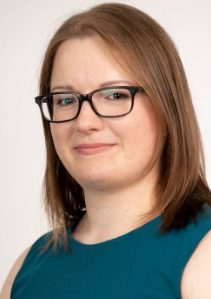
x=140, y=264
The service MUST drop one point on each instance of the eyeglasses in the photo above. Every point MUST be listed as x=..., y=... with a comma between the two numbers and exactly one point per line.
x=113, y=101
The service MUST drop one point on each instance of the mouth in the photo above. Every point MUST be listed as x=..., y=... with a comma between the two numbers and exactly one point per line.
x=93, y=148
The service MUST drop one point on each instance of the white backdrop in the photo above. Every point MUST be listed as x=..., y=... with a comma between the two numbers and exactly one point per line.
x=25, y=28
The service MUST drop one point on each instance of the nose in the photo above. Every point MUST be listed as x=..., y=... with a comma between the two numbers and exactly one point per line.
x=87, y=120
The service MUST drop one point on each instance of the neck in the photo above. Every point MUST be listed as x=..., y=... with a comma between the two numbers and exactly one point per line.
x=113, y=213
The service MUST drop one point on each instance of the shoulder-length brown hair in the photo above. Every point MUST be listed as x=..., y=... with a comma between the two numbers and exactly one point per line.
x=145, y=49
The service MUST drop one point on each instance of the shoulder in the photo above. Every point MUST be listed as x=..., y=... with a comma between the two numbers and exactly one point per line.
x=196, y=279
x=29, y=253
x=6, y=290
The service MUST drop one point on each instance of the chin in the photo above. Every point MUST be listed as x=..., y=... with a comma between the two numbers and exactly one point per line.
x=93, y=177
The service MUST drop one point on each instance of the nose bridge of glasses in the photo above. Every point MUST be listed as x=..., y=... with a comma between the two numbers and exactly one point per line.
x=85, y=97
x=88, y=98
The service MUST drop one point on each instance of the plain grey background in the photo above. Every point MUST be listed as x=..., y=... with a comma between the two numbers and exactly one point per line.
x=25, y=28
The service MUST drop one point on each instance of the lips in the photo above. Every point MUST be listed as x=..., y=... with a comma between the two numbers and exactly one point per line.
x=92, y=148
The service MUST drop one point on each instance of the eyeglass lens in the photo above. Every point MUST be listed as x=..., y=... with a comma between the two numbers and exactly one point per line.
x=107, y=102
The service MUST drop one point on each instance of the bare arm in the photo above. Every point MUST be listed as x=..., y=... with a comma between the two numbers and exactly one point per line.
x=196, y=279
x=6, y=290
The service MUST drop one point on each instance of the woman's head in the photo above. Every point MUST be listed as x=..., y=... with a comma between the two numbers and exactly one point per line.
x=103, y=153
x=144, y=51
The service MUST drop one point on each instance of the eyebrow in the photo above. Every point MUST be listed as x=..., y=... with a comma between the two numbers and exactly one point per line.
x=65, y=87
x=68, y=87
x=112, y=83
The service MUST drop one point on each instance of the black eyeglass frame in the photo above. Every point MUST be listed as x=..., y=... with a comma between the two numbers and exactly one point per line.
x=88, y=97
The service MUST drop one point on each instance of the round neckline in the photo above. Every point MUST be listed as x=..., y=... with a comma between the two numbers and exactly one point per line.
x=148, y=225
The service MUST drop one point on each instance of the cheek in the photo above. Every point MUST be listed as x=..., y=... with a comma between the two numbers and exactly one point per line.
x=150, y=120
x=146, y=130
x=61, y=134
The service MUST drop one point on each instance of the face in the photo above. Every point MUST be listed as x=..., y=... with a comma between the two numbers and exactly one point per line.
x=103, y=152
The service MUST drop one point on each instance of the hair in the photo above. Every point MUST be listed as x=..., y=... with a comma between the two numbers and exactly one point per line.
x=142, y=46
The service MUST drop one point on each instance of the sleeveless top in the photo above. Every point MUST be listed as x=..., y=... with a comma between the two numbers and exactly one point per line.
x=142, y=264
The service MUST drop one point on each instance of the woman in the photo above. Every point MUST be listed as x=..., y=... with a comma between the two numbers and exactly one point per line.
x=125, y=187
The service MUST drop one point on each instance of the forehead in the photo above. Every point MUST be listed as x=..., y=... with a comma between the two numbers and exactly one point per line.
x=87, y=61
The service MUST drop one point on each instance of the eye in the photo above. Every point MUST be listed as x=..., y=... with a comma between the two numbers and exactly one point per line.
x=116, y=95
x=65, y=101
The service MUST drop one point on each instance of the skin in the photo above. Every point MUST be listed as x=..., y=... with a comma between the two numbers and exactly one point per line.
x=196, y=281
x=5, y=292
x=126, y=165
x=119, y=176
